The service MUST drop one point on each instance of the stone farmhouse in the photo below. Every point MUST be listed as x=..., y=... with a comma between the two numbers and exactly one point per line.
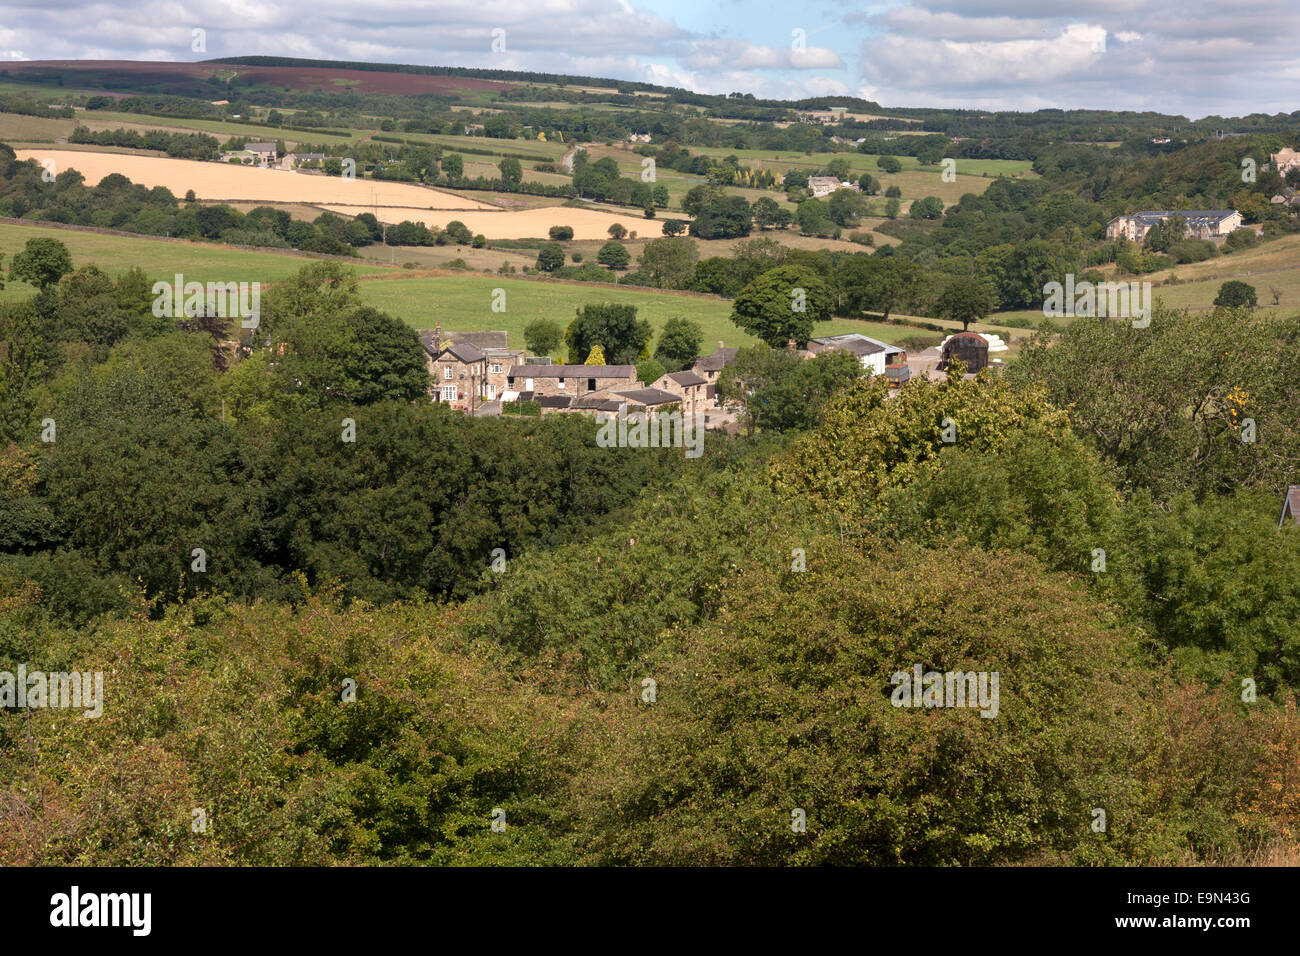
x=689, y=388
x=566, y=381
x=1201, y=223
x=709, y=367
x=265, y=153
x=469, y=371
x=1284, y=161
x=825, y=185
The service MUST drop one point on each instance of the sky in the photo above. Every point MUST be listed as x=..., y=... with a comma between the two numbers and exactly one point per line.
x=1187, y=57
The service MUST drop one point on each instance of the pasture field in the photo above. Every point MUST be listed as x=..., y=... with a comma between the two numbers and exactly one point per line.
x=862, y=162
x=541, y=151
x=16, y=128
x=464, y=302
x=107, y=119
x=1273, y=264
x=223, y=181
x=160, y=259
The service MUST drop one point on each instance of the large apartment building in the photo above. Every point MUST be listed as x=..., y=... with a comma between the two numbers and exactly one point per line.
x=1201, y=223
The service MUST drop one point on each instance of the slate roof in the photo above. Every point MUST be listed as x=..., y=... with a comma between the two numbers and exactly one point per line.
x=716, y=362
x=1149, y=217
x=484, y=340
x=465, y=351
x=647, y=396
x=572, y=371
x=687, y=379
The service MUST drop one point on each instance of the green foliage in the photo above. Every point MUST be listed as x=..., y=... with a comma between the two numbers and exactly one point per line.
x=669, y=263
x=1168, y=403
x=613, y=327
x=614, y=255
x=778, y=390
x=550, y=256
x=542, y=336
x=965, y=299
x=1234, y=294
x=868, y=442
x=679, y=344
x=42, y=263
x=782, y=701
x=649, y=370
x=930, y=207
x=782, y=304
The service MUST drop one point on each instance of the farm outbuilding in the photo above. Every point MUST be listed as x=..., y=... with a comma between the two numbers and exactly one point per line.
x=970, y=347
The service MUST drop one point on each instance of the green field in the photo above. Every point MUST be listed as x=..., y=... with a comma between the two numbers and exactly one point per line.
x=16, y=128
x=107, y=119
x=160, y=260
x=542, y=151
x=1275, y=264
x=465, y=303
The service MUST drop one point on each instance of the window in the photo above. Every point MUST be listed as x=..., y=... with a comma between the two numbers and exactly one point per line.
x=495, y=368
x=449, y=393
x=561, y=385
x=591, y=384
x=446, y=372
x=528, y=385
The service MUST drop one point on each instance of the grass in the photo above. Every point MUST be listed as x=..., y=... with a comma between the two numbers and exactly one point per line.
x=107, y=119
x=465, y=303
x=15, y=128
x=160, y=259
x=1275, y=263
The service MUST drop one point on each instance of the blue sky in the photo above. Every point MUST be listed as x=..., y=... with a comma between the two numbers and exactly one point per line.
x=1174, y=56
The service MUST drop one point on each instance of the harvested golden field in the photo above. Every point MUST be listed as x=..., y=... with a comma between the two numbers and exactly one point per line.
x=519, y=223
x=223, y=181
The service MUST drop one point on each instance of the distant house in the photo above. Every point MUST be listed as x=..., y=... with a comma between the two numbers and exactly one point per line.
x=606, y=404
x=1284, y=161
x=265, y=152
x=874, y=354
x=638, y=137
x=690, y=388
x=499, y=363
x=301, y=159
x=572, y=381
x=709, y=367
x=1290, y=507
x=480, y=361
x=1201, y=223
x=825, y=185
x=826, y=117
x=1289, y=196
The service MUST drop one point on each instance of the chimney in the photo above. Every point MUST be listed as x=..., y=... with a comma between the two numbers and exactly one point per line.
x=437, y=338
x=789, y=343
x=720, y=343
